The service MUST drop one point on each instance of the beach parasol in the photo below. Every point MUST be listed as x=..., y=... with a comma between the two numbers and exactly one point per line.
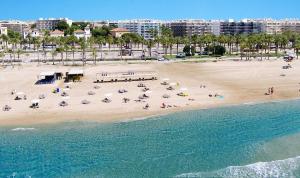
x=108, y=94
x=148, y=92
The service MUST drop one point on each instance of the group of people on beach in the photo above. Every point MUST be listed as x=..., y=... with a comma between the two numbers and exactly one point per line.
x=270, y=91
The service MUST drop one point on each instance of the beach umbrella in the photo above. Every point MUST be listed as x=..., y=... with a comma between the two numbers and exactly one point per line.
x=66, y=89
x=42, y=96
x=173, y=84
x=183, y=89
x=91, y=93
x=35, y=101
x=166, y=79
x=63, y=104
x=96, y=87
x=166, y=96
x=85, y=102
x=108, y=94
x=148, y=92
x=20, y=93
x=66, y=97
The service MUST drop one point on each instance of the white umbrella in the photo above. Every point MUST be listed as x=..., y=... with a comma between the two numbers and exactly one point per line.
x=108, y=94
x=20, y=93
x=66, y=89
x=148, y=92
x=66, y=97
x=173, y=84
x=35, y=101
x=183, y=89
x=166, y=79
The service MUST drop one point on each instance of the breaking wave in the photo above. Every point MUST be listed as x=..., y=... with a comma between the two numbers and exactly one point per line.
x=280, y=168
x=22, y=129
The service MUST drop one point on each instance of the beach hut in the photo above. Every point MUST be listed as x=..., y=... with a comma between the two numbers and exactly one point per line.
x=74, y=75
x=48, y=77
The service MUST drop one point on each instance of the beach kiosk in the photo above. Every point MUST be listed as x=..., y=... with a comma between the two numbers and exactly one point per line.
x=74, y=75
x=125, y=76
x=48, y=77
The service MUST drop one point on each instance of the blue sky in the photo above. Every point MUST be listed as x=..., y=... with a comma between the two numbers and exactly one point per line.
x=154, y=9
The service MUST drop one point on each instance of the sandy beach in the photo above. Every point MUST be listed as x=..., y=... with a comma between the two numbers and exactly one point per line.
x=234, y=82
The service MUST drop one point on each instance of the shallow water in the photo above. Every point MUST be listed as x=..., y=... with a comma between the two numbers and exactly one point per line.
x=239, y=141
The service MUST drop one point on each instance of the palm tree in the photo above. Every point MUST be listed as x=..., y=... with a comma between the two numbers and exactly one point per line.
x=297, y=46
x=110, y=41
x=19, y=52
x=5, y=39
x=61, y=51
x=178, y=41
x=54, y=54
x=100, y=41
x=37, y=45
x=150, y=45
x=91, y=42
x=120, y=43
x=71, y=41
x=83, y=46
x=60, y=41
x=2, y=55
x=171, y=42
x=45, y=41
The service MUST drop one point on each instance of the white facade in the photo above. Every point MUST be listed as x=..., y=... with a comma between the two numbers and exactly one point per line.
x=141, y=27
x=3, y=30
x=51, y=23
x=86, y=33
x=33, y=33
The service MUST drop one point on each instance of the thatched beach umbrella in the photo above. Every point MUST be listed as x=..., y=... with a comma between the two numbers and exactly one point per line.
x=63, y=104
x=91, y=93
x=85, y=102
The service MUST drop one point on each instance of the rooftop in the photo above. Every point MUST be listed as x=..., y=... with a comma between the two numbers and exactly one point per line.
x=119, y=30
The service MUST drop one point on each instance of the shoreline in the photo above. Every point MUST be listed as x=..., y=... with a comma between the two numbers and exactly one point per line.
x=134, y=117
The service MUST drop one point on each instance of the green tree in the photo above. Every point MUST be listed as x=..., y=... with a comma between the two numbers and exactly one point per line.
x=62, y=26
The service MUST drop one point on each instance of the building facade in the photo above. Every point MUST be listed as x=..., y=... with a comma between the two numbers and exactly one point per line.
x=246, y=27
x=3, y=30
x=190, y=27
x=50, y=24
x=145, y=28
x=86, y=33
x=16, y=26
x=118, y=32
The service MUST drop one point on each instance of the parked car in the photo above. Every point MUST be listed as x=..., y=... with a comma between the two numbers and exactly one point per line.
x=180, y=55
x=161, y=59
x=203, y=53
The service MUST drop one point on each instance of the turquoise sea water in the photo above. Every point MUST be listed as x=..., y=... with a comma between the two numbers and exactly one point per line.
x=260, y=140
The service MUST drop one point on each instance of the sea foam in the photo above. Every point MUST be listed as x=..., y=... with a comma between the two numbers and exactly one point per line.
x=279, y=168
x=22, y=129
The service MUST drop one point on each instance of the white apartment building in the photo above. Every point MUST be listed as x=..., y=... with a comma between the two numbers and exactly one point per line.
x=189, y=27
x=142, y=27
x=270, y=26
x=14, y=25
x=51, y=23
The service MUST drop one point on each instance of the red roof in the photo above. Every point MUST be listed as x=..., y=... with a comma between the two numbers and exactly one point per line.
x=119, y=30
x=79, y=31
x=57, y=32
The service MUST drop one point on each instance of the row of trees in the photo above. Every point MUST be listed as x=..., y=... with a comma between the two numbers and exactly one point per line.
x=245, y=45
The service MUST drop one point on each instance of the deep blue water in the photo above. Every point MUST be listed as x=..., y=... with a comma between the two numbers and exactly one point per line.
x=222, y=142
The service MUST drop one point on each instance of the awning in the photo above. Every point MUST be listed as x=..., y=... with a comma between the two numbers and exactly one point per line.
x=75, y=72
x=50, y=73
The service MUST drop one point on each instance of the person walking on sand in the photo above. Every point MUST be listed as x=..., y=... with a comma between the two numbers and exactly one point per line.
x=272, y=90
